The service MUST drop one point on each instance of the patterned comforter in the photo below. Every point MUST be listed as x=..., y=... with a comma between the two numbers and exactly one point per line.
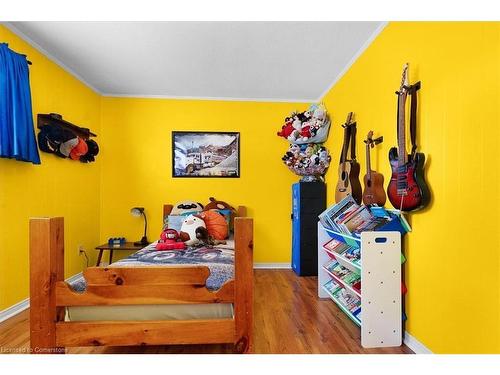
x=219, y=259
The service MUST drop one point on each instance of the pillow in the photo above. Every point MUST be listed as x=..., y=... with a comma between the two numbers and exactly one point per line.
x=226, y=214
x=173, y=222
x=216, y=224
x=184, y=207
x=218, y=205
x=215, y=204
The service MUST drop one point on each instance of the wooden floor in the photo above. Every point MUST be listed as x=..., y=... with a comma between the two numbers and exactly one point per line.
x=289, y=318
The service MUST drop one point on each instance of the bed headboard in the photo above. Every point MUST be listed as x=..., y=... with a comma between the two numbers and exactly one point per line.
x=241, y=211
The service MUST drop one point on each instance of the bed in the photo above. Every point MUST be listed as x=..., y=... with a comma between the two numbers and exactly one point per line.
x=199, y=296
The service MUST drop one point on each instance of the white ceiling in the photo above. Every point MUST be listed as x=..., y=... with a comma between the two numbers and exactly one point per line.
x=281, y=61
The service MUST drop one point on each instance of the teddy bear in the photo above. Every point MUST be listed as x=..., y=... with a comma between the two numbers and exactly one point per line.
x=169, y=240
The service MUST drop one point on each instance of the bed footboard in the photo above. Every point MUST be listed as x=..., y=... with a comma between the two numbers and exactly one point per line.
x=50, y=294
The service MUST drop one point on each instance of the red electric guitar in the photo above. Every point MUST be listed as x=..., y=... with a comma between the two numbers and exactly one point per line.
x=407, y=189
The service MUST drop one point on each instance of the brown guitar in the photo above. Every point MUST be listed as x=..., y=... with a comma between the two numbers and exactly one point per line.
x=348, y=183
x=374, y=192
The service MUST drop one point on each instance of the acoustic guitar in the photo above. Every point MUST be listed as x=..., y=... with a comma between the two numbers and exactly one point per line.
x=348, y=182
x=374, y=192
x=407, y=189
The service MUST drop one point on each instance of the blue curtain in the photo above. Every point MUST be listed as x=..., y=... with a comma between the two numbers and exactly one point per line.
x=17, y=136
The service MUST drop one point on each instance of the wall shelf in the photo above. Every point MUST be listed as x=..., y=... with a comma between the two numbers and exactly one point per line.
x=53, y=119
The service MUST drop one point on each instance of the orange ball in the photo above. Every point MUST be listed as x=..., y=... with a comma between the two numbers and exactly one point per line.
x=216, y=224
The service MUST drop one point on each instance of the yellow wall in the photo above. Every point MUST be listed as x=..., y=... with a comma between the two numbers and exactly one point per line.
x=453, y=260
x=137, y=166
x=452, y=271
x=57, y=187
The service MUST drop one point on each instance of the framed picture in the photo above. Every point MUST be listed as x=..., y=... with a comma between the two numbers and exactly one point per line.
x=205, y=154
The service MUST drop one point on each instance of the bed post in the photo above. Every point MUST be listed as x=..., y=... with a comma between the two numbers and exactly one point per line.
x=241, y=211
x=243, y=294
x=46, y=268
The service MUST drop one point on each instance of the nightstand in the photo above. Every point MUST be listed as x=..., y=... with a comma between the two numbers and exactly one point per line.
x=128, y=246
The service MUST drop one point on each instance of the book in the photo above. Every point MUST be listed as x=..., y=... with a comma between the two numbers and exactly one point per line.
x=331, y=286
x=335, y=246
x=357, y=219
x=329, y=216
x=353, y=254
x=348, y=300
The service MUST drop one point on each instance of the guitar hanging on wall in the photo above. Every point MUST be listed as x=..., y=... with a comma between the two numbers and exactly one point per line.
x=374, y=192
x=348, y=183
x=407, y=189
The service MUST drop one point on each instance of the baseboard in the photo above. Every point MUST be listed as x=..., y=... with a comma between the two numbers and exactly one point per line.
x=14, y=310
x=415, y=345
x=19, y=307
x=265, y=266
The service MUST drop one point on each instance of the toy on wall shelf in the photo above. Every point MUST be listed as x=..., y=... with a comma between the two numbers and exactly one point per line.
x=310, y=161
x=310, y=126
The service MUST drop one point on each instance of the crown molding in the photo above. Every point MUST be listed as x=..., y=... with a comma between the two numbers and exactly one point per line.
x=209, y=98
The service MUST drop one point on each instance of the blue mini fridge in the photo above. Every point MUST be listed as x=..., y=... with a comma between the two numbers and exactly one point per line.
x=308, y=201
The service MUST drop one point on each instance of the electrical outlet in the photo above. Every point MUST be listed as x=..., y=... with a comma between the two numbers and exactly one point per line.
x=81, y=249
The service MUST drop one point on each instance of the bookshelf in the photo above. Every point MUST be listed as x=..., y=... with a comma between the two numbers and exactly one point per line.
x=367, y=289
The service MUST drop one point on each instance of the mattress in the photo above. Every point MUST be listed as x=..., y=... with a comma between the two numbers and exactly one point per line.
x=219, y=260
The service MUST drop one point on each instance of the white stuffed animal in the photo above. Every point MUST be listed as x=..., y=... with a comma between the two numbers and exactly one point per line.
x=320, y=113
x=193, y=230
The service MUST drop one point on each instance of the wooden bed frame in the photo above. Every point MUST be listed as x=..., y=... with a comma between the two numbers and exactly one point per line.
x=50, y=294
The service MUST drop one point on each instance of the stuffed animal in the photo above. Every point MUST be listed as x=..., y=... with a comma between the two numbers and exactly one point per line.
x=216, y=224
x=305, y=132
x=302, y=126
x=314, y=159
x=184, y=207
x=286, y=130
x=214, y=204
x=320, y=113
x=193, y=230
x=309, y=151
x=294, y=135
x=169, y=240
x=323, y=154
